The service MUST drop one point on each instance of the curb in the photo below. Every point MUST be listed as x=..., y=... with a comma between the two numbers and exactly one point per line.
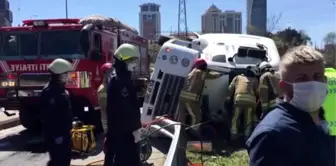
x=9, y=123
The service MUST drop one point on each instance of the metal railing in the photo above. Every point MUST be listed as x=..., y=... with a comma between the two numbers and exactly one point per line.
x=176, y=155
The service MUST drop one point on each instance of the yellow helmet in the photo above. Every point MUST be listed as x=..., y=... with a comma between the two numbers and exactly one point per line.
x=59, y=66
x=127, y=52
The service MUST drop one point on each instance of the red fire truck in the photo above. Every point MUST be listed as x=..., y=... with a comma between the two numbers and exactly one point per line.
x=27, y=50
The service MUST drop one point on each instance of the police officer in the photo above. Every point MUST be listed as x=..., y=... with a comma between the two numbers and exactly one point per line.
x=123, y=113
x=189, y=103
x=242, y=93
x=57, y=113
x=102, y=96
x=268, y=87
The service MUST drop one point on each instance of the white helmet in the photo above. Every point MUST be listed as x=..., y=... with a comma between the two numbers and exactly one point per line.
x=60, y=66
x=127, y=52
x=264, y=65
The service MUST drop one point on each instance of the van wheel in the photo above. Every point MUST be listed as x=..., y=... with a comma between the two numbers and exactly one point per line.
x=30, y=120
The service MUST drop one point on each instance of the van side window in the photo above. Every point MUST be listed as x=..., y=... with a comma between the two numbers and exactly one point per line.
x=97, y=41
x=219, y=58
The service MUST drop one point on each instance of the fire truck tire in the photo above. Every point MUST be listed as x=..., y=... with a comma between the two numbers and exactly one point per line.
x=29, y=120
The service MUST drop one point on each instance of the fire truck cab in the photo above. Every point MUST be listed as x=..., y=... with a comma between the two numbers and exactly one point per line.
x=27, y=50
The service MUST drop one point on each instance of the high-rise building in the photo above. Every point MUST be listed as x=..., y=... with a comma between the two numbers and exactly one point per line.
x=6, y=15
x=256, y=17
x=216, y=21
x=150, y=21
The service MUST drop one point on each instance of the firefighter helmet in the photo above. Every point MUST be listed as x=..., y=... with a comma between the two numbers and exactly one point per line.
x=60, y=66
x=127, y=52
x=264, y=65
x=105, y=67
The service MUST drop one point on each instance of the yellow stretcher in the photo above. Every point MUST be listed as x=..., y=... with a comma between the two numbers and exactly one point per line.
x=83, y=140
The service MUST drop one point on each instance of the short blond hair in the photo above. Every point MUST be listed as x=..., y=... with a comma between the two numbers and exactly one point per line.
x=300, y=55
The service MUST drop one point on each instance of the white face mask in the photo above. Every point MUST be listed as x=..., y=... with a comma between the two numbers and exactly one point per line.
x=309, y=96
x=131, y=66
x=64, y=77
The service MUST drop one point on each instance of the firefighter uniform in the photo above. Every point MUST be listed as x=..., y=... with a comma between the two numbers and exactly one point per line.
x=102, y=96
x=268, y=92
x=57, y=114
x=189, y=103
x=242, y=94
x=123, y=113
x=268, y=88
x=277, y=77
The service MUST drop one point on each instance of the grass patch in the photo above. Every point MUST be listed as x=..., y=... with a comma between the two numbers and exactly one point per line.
x=239, y=158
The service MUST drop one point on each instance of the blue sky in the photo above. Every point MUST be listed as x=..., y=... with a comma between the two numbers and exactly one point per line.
x=315, y=17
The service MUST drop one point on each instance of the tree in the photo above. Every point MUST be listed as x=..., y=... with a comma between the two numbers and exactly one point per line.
x=273, y=23
x=330, y=38
x=289, y=38
x=329, y=49
x=153, y=51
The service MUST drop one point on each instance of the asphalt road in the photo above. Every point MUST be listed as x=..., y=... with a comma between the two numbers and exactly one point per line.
x=19, y=148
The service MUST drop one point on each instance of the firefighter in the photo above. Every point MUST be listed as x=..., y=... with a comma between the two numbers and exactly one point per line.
x=277, y=76
x=189, y=103
x=104, y=70
x=123, y=113
x=242, y=95
x=268, y=87
x=57, y=113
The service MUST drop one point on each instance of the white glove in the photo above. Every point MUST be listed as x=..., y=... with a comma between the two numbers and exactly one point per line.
x=59, y=140
x=137, y=135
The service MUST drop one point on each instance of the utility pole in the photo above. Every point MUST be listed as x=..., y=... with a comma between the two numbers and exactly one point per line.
x=182, y=26
x=66, y=8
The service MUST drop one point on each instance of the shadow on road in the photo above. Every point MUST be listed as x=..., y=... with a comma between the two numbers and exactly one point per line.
x=27, y=142
x=23, y=141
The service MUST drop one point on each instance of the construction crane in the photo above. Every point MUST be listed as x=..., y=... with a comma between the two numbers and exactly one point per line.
x=182, y=19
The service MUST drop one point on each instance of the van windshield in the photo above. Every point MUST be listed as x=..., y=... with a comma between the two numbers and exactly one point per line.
x=19, y=44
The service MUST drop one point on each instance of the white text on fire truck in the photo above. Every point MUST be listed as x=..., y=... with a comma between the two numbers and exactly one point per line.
x=28, y=67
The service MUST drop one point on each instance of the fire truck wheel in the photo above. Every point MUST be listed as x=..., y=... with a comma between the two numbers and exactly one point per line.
x=30, y=121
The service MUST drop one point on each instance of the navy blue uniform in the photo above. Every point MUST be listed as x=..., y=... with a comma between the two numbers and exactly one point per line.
x=57, y=123
x=123, y=116
x=289, y=137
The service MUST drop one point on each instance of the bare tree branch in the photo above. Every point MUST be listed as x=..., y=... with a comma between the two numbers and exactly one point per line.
x=273, y=22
